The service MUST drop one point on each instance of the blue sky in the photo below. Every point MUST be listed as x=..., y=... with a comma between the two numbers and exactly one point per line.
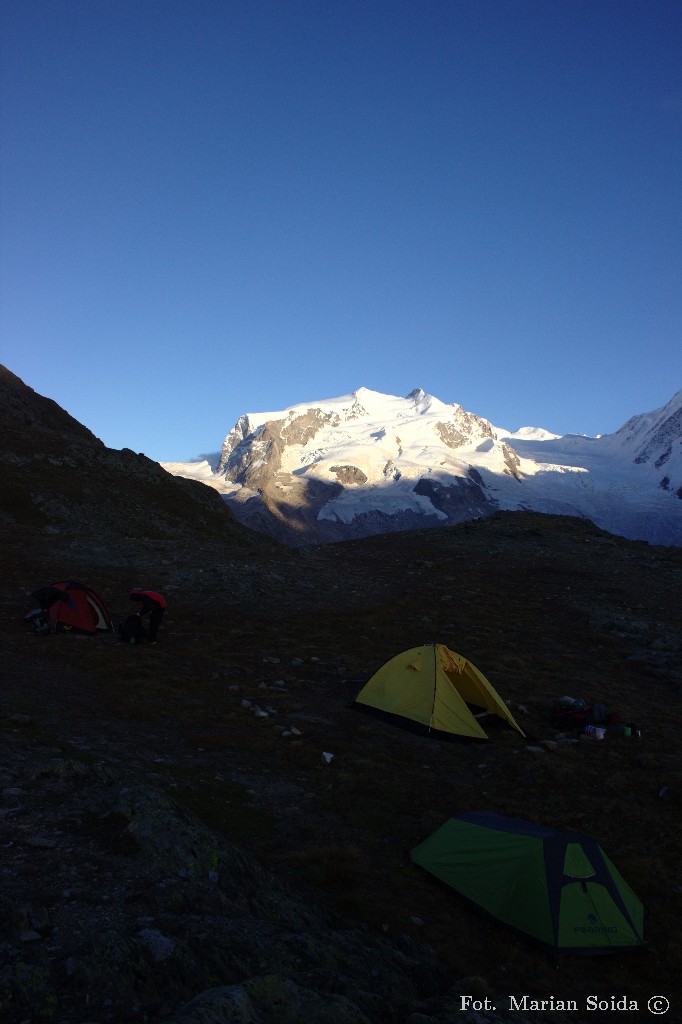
x=211, y=207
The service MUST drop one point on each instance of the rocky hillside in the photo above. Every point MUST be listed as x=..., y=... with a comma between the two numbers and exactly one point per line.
x=57, y=478
x=206, y=831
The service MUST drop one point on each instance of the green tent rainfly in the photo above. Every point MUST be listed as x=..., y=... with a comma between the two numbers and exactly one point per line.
x=557, y=886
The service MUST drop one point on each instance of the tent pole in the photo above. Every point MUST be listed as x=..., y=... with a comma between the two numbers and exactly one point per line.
x=433, y=701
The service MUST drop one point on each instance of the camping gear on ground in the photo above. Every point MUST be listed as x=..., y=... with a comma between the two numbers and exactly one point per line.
x=575, y=714
x=79, y=608
x=556, y=886
x=433, y=686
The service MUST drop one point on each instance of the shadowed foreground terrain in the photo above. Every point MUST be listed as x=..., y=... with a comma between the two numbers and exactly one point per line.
x=175, y=846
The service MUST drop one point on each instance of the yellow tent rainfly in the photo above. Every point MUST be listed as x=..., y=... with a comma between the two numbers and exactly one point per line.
x=434, y=687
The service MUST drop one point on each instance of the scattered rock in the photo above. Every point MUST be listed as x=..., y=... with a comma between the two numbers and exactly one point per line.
x=268, y=998
x=41, y=842
x=31, y=922
x=159, y=946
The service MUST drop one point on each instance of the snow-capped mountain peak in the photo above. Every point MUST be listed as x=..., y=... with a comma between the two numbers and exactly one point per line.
x=368, y=462
x=526, y=434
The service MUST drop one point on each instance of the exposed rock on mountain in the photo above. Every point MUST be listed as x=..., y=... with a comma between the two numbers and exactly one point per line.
x=350, y=474
x=463, y=499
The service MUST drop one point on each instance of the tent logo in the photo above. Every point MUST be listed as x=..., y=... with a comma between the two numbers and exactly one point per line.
x=596, y=928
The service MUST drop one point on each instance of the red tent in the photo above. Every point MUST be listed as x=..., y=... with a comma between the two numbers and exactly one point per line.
x=84, y=610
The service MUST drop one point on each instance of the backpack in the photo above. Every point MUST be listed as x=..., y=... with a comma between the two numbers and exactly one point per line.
x=132, y=631
x=568, y=717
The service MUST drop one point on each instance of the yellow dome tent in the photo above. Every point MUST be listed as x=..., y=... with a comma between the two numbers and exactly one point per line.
x=433, y=686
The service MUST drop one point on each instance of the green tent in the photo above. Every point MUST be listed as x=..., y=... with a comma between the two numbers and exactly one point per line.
x=559, y=887
x=435, y=688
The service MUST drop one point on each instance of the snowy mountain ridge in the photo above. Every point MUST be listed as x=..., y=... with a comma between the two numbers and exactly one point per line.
x=367, y=463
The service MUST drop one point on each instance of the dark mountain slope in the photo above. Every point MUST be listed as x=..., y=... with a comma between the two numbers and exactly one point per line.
x=28, y=412
x=57, y=478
